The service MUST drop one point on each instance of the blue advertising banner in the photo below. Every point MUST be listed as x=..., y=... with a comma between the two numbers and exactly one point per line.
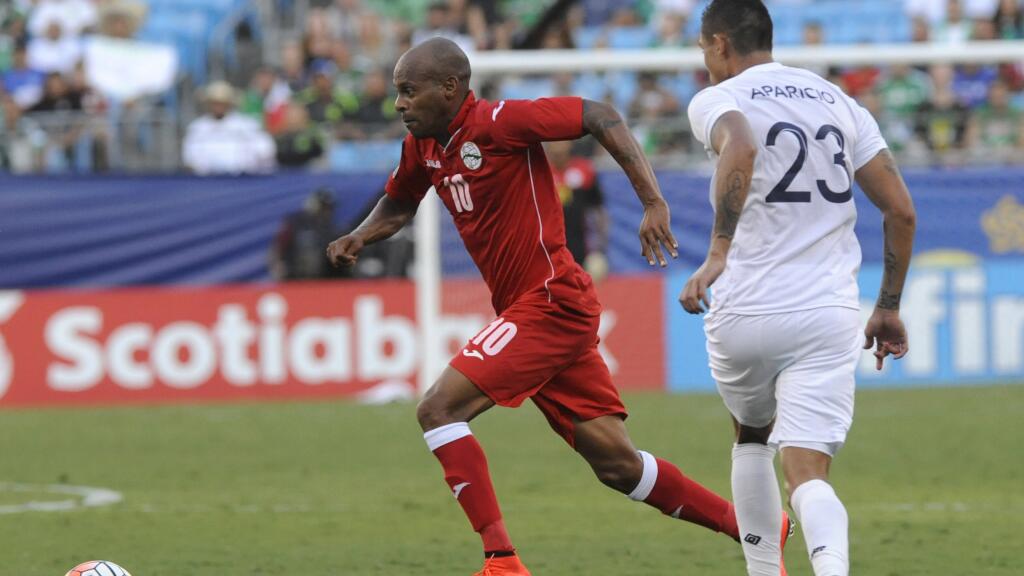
x=127, y=230
x=964, y=318
x=132, y=230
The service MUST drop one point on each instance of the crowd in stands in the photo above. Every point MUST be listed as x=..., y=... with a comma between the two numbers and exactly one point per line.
x=67, y=67
x=329, y=82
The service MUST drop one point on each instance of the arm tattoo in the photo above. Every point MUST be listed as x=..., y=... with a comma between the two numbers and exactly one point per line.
x=890, y=261
x=598, y=119
x=727, y=214
x=888, y=301
x=890, y=255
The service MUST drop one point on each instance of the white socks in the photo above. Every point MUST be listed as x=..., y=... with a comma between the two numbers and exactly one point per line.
x=825, y=525
x=755, y=494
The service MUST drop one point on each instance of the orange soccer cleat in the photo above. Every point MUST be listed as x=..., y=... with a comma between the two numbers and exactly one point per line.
x=788, y=527
x=503, y=566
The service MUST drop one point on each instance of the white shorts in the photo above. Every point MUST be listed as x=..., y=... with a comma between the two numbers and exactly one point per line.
x=796, y=368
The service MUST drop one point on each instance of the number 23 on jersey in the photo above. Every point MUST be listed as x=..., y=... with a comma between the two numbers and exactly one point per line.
x=781, y=191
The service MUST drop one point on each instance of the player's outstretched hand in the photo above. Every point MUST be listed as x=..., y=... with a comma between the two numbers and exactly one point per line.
x=655, y=232
x=345, y=250
x=887, y=335
x=696, y=290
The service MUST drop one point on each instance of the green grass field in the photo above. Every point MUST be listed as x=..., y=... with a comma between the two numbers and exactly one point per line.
x=934, y=482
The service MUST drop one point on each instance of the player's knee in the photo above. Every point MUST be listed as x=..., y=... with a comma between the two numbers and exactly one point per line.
x=752, y=435
x=801, y=466
x=622, y=474
x=431, y=414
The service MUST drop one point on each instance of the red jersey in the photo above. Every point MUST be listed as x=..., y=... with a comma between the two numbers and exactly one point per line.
x=495, y=181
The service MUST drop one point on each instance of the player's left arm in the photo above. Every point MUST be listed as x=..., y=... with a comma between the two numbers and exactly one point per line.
x=881, y=181
x=606, y=125
x=733, y=141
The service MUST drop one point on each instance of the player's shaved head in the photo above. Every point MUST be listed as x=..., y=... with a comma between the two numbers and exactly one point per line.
x=437, y=59
x=432, y=81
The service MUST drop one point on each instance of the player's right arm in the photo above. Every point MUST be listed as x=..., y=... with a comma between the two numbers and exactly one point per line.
x=733, y=140
x=519, y=123
x=883, y=185
x=405, y=189
x=388, y=217
x=606, y=125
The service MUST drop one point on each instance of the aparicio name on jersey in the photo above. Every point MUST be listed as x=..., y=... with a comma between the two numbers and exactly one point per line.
x=790, y=91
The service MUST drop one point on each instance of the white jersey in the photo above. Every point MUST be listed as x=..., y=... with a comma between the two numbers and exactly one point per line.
x=794, y=247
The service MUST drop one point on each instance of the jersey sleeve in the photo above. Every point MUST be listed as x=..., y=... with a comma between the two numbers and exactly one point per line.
x=519, y=123
x=410, y=181
x=869, y=137
x=706, y=108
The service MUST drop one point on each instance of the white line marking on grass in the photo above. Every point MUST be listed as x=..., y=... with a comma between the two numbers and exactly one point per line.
x=84, y=497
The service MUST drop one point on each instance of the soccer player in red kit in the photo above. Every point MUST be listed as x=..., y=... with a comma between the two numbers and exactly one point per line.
x=486, y=162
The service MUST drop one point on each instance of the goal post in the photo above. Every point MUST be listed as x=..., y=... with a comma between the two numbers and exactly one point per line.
x=428, y=290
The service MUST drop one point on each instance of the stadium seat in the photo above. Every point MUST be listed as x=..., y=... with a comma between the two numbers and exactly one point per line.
x=187, y=30
x=623, y=86
x=193, y=26
x=590, y=86
x=630, y=38
x=586, y=37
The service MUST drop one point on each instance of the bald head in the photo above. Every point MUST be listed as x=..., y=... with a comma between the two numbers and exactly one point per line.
x=432, y=80
x=437, y=59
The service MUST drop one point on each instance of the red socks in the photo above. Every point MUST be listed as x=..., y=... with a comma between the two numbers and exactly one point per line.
x=465, y=471
x=664, y=487
x=661, y=485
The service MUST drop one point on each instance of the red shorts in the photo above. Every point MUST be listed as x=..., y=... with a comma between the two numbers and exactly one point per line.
x=541, y=351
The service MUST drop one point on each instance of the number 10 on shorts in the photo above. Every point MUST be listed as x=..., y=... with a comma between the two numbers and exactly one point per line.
x=493, y=339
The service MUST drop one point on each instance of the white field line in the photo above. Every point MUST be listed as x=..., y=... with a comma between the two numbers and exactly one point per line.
x=82, y=497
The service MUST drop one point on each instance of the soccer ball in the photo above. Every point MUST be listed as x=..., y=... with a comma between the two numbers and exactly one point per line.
x=97, y=568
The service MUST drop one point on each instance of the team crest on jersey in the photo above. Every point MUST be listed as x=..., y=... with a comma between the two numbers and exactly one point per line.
x=471, y=156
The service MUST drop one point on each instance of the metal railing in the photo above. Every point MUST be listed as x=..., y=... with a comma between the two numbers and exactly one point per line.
x=131, y=140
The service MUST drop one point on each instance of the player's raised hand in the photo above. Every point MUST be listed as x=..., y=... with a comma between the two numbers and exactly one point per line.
x=345, y=250
x=696, y=290
x=656, y=232
x=887, y=335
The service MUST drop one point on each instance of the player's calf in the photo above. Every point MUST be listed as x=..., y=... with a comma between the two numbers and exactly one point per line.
x=622, y=474
x=604, y=443
x=444, y=415
x=821, y=514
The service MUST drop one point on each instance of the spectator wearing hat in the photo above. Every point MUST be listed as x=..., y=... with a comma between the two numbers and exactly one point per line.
x=224, y=141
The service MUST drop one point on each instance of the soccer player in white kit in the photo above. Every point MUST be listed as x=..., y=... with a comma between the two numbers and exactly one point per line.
x=783, y=322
